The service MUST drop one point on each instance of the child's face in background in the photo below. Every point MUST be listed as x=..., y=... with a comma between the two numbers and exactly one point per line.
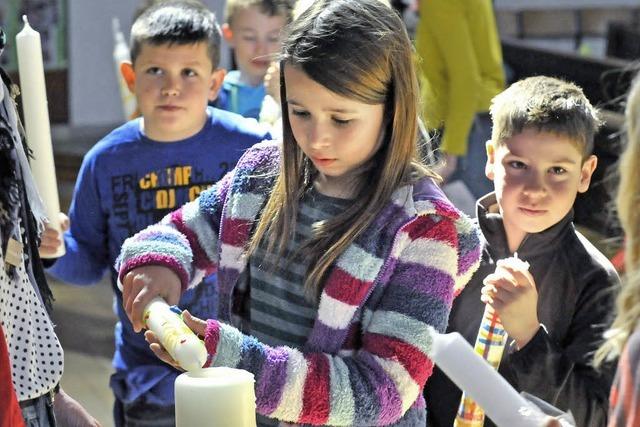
x=255, y=37
x=537, y=176
x=173, y=84
x=338, y=134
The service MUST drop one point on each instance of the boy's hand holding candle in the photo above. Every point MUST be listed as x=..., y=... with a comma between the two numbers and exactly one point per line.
x=51, y=239
x=490, y=342
x=511, y=291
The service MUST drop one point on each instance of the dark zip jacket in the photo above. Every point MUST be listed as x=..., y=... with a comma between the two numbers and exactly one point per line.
x=576, y=291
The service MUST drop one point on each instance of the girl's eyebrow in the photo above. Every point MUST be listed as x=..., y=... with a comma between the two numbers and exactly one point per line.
x=331, y=110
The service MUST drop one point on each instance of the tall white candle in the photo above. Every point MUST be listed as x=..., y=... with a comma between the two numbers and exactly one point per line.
x=36, y=118
x=472, y=374
x=215, y=397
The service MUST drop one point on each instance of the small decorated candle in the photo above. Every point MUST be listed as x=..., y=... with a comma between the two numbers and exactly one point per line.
x=36, y=118
x=490, y=344
x=215, y=397
x=176, y=337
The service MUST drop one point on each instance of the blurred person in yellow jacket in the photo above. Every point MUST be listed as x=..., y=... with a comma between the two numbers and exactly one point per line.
x=461, y=70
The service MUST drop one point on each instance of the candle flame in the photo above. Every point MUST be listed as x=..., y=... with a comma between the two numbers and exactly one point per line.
x=25, y=20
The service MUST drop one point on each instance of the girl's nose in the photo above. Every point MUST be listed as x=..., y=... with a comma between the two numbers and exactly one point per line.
x=318, y=137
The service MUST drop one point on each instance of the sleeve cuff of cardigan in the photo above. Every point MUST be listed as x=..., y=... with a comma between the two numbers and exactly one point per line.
x=224, y=344
x=211, y=339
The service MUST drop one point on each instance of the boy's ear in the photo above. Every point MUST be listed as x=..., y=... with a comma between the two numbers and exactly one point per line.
x=491, y=158
x=227, y=34
x=129, y=76
x=217, y=77
x=588, y=167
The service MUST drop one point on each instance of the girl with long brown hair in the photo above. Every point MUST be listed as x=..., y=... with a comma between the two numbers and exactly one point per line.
x=337, y=254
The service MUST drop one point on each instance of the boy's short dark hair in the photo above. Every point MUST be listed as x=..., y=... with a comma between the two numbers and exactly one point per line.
x=176, y=21
x=268, y=7
x=545, y=104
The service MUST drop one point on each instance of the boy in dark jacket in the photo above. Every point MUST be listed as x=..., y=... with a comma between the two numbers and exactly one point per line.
x=539, y=158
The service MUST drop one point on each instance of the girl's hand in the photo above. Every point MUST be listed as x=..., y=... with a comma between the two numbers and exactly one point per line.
x=70, y=413
x=51, y=239
x=142, y=284
x=511, y=291
x=198, y=326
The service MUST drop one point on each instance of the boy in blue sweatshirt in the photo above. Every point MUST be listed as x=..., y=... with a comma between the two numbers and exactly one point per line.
x=147, y=168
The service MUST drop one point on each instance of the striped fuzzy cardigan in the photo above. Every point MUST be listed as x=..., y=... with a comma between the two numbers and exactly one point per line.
x=365, y=361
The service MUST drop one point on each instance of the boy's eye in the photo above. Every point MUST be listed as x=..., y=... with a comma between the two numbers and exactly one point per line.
x=189, y=72
x=558, y=170
x=249, y=38
x=516, y=164
x=154, y=71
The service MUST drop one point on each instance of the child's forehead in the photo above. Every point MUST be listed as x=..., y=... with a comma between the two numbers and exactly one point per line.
x=171, y=52
x=541, y=144
x=250, y=14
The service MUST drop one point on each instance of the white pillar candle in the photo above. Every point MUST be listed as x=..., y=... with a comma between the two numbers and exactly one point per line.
x=473, y=375
x=36, y=118
x=215, y=397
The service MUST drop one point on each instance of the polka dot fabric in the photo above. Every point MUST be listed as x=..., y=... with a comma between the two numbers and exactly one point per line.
x=35, y=353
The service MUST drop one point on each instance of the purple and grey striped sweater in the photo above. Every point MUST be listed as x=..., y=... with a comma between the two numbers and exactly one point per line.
x=365, y=361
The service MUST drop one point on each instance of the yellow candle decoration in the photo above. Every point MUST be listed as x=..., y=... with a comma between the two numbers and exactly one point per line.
x=215, y=397
x=176, y=337
x=36, y=118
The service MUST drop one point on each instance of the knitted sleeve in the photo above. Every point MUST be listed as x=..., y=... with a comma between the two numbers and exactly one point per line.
x=376, y=383
x=185, y=240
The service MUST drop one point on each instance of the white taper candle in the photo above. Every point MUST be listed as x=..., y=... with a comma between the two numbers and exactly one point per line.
x=36, y=118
